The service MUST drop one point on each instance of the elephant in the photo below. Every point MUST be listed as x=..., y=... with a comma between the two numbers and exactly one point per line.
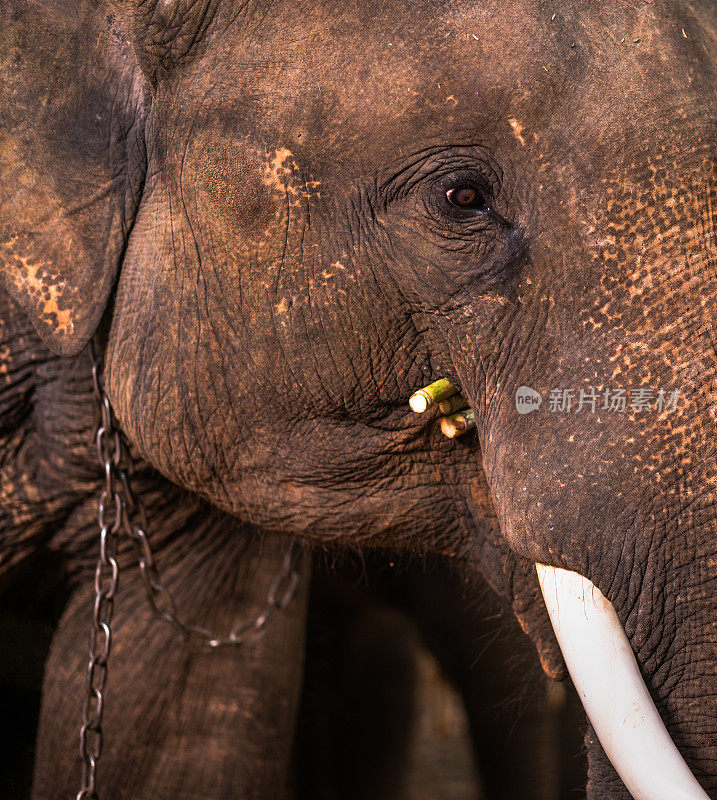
x=368, y=726
x=361, y=728
x=276, y=222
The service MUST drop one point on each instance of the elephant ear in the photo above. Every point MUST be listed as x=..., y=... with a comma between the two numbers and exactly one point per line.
x=71, y=162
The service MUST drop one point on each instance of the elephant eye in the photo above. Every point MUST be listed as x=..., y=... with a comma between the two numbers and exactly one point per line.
x=467, y=198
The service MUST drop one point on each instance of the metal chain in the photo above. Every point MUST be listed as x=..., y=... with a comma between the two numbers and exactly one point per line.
x=120, y=510
x=109, y=513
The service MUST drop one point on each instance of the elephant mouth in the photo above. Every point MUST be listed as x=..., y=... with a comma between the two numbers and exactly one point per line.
x=604, y=670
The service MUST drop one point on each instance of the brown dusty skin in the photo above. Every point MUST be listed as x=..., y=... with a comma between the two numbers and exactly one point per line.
x=255, y=198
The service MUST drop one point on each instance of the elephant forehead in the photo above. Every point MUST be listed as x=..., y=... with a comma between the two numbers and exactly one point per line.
x=353, y=87
x=363, y=77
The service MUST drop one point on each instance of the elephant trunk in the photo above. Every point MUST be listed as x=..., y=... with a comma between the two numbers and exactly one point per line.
x=604, y=670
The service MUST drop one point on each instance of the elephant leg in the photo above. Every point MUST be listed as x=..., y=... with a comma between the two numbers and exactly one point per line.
x=526, y=733
x=358, y=706
x=181, y=724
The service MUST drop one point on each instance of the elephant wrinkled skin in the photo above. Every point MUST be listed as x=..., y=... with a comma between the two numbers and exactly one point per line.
x=288, y=217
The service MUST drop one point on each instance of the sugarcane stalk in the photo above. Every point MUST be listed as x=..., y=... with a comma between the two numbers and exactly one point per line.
x=453, y=404
x=459, y=423
x=430, y=395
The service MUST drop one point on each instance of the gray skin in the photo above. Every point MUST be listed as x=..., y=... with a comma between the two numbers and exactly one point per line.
x=253, y=199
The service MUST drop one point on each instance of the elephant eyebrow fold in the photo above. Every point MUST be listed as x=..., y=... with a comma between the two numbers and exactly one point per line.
x=437, y=160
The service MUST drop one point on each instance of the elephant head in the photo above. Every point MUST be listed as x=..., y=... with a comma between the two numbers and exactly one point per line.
x=304, y=212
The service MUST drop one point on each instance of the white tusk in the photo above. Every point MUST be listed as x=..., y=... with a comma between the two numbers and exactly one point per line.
x=605, y=673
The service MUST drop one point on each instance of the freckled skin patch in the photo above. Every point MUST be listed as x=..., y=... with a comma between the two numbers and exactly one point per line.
x=46, y=294
x=281, y=174
x=277, y=173
x=517, y=130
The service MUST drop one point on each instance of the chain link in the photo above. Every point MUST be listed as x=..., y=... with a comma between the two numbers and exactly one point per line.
x=119, y=510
